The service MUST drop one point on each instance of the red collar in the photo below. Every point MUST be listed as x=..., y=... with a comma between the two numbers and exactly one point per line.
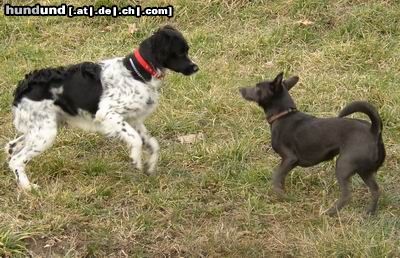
x=146, y=66
x=273, y=118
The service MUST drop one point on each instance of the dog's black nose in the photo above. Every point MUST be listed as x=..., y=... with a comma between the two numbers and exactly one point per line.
x=242, y=91
x=190, y=69
x=195, y=68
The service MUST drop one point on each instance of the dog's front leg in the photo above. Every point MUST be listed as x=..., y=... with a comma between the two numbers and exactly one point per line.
x=279, y=174
x=113, y=125
x=151, y=145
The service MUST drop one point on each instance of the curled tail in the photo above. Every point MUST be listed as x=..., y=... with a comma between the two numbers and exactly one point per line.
x=369, y=110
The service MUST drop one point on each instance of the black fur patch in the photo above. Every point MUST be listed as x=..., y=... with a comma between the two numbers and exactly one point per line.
x=81, y=87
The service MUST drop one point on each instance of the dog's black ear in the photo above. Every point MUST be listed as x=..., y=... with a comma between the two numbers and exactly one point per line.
x=165, y=29
x=289, y=83
x=161, y=43
x=168, y=27
x=277, y=83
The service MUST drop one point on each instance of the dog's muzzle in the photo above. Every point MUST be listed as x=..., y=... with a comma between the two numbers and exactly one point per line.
x=191, y=69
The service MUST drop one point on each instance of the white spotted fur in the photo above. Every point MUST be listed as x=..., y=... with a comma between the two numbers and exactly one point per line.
x=124, y=105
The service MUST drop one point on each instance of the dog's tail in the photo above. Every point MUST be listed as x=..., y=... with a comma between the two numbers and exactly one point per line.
x=369, y=110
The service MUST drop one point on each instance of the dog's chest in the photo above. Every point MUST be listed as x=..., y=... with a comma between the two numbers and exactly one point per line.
x=125, y=95
x=135, y=101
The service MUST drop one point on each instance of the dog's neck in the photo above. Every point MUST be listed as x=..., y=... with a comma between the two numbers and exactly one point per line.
x=143, y=65
x=273, y=118
x=279, y=108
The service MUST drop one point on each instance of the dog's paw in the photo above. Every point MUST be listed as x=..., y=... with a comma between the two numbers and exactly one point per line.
x=138, y=165
x=149, y=169
x=29, y=187
x=332, y=212
x=371, y=212
x=280, y=193
x=278, y=189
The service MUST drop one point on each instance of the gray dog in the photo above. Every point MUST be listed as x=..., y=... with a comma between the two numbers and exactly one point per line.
x=304, y=140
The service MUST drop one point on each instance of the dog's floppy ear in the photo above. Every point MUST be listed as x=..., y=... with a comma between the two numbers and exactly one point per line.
x=161, y=42
x=168, y=27
x=277, y=83
x=289, y=83
x=165, y=29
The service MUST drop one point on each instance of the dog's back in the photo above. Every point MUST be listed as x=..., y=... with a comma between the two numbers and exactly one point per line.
x=71, y=88
x=318, y=139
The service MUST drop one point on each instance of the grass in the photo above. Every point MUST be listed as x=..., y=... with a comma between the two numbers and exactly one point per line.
x=212, y=197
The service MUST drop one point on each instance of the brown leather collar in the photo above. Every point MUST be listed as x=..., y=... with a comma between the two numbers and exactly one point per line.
x=273, y=118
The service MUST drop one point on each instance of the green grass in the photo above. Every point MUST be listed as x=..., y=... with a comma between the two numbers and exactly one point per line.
x=213, y=197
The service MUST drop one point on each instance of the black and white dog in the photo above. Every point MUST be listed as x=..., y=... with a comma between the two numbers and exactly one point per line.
x=112, y=97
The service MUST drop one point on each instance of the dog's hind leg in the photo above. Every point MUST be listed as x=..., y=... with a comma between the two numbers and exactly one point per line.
x=37, y=141
x=344, y=170
x=370, y=181
x=37, y=120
